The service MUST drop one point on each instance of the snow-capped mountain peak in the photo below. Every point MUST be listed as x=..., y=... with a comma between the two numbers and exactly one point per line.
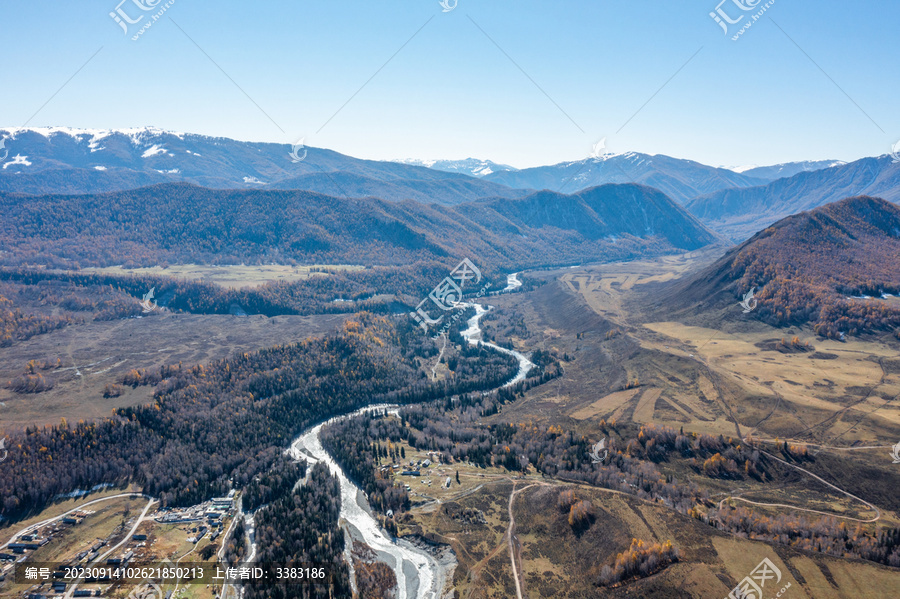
x=473, y=167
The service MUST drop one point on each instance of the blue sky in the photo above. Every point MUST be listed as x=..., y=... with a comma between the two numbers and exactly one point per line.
x=557, y=76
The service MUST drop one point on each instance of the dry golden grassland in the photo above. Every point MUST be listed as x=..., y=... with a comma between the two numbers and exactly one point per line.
x=699, y=378
x=236, y=276
x=844, y=399
x=559, y=561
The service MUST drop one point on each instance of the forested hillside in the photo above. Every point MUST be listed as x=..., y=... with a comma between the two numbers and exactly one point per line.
x=836, y=267
x=181, y=223
x=232, y=418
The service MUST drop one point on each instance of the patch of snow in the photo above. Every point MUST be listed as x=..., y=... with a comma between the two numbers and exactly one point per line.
x=153, y=151
x=253, y=180
x=173, y=171
x=81, y=492
x=99, y=168
x=94, y=144
x=415, y=162
x=19, y=159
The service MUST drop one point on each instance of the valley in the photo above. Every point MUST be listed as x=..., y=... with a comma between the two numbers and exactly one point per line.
x=621, y=368
x=628, y=405
x=449, y=300
x=694, y=379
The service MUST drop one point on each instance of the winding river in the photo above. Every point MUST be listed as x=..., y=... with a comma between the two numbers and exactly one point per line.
x=419, y=575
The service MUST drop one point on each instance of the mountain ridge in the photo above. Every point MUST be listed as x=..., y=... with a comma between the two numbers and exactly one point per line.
x=680, y=179
x=817, y=267
x=738, y=213
x=180, y=222
x=67, y=160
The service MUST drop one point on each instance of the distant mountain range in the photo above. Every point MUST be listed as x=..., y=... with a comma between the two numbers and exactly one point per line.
x=679, y=179
x=836, y=267
x=483, y=168
x=787, y=169
x=469, y=166
x=60, y=160
x=66, y=160
x=739, y=213
x=185, y=223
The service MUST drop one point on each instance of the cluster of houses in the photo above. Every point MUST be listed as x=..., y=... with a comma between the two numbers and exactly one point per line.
x=415, y=467
x=208, y=516
x=205, y=519
x=39, y=537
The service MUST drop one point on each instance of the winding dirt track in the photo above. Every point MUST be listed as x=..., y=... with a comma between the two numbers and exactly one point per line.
x=877, y=511
x=437, y=360
x=510, y=537
x=822, y=480
x=798, y=509
x=828, y=447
